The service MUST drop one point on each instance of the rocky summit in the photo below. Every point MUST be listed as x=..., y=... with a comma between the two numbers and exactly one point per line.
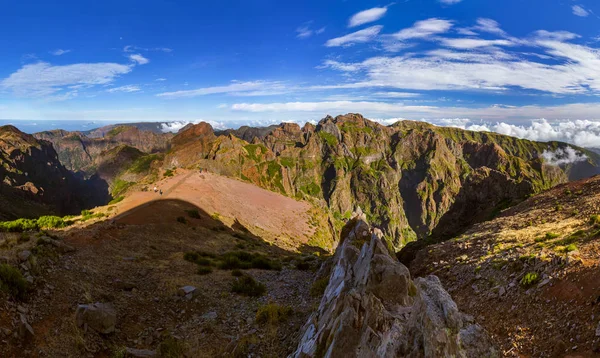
x=344, y=238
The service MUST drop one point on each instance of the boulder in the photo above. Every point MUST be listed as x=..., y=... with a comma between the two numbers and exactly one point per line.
x=24, y=255
x=372, y=308
x=188, y=292
x=100, y=317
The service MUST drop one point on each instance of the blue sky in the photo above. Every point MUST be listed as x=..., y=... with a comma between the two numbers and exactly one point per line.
x=459, y=62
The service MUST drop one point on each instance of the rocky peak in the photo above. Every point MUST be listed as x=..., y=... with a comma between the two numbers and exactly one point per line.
x=201, y=129
x=372, y=308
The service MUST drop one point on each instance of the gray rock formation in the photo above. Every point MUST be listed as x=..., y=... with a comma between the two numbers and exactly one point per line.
x=372, y=308
x=100, y=317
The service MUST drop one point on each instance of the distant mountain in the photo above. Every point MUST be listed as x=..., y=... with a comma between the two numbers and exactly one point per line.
x=83, y=151
x=409, y=178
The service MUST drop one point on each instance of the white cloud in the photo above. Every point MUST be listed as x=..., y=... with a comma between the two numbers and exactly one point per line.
x=449, y=2
x=160, y=79
x=139, y=59
x=132, y=48
x=424, y=29
x=563, y=156
x=366, y=16
x=59, y=52
x=43, y=79
x=471, y=43
x=127, y=89
x=255, y=88
x=360, y=36
x=555, y=35
x=305, y=31
x=396, y=94
x=579, y=11
x=490, y=26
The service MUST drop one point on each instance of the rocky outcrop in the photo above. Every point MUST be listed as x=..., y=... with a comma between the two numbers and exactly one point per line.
x=100, y=317
x=83, y=152
x=372, y=308
x=34, y=182
x=408, y=177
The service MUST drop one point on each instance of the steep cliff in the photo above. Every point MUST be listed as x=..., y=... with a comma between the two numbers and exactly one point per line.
x=83, y=152
x=34, y=181
x=407, y=177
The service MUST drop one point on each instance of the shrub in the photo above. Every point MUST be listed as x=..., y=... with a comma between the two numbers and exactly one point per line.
x=595, y=219
x=551, y=235
x=197, y=258
x=571, y=248
x=204, y=270
x=318, y=287
x=171, y=348
x=194, y=214
x=272, y=313
x=237, y=273
x=12, y=281
x=19, y=225
x=248, y=286
x=182, y=220
x=245, y=260
x=50, y=222
x=168, y=173
x=303, y=266
x=116, y=200
x=530, y=279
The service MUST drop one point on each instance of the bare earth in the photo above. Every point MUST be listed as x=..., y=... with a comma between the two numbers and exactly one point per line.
x=134, y=261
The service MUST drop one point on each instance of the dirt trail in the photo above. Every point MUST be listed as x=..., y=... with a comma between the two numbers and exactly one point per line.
x=230, y=199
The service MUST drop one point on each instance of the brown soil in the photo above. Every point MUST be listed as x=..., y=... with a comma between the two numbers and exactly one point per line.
x=135, y=261
x=482, y=269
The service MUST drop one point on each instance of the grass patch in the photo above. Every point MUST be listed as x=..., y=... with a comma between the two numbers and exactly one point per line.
x=168, y=173
x=171, y=348
x=318, y=287
x=530, y=279
x=116, y=200
x=204, y=270
x=243, y=260
x=194, y=214
x=272, y=313
x=248, y=286
x=13, y=282
x=181, y=219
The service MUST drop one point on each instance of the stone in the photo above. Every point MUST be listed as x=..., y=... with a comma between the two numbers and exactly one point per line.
x=25, y=329
x=598, y=330
x=188, y=292
x=100, y=317
x=140, y=353
x=501, y=291
x=372, y=308
x=24, y=255
x=210, y=316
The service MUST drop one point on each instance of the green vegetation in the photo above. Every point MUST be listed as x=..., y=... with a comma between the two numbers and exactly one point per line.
x=12, y=281
x=171, y=348
x=311, y=189
x=194, y=214
x=595, y=219
x=530, y=279
x=318, y=287
x=117, y=130
x=272, y=313
x=551, y=236
x=87, y=215
x=253, y=148
x=244, y=260
x=119, y=187
x=116, y=200
x=248, y=286
x=181, y=219
x=43, y=222
x=168, y=173
x=328, y=138
x=143, y=164
x=204, y=270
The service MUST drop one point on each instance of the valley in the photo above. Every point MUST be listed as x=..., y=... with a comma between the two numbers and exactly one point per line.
x=254, y=235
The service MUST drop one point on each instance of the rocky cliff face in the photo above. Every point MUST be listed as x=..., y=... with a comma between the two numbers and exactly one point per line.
x=78, y=151
x=407, y=177
x=31, y=171
x=372, y=308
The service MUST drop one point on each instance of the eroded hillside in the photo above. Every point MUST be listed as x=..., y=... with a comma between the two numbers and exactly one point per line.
x=408, y=178
x=531, y=276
